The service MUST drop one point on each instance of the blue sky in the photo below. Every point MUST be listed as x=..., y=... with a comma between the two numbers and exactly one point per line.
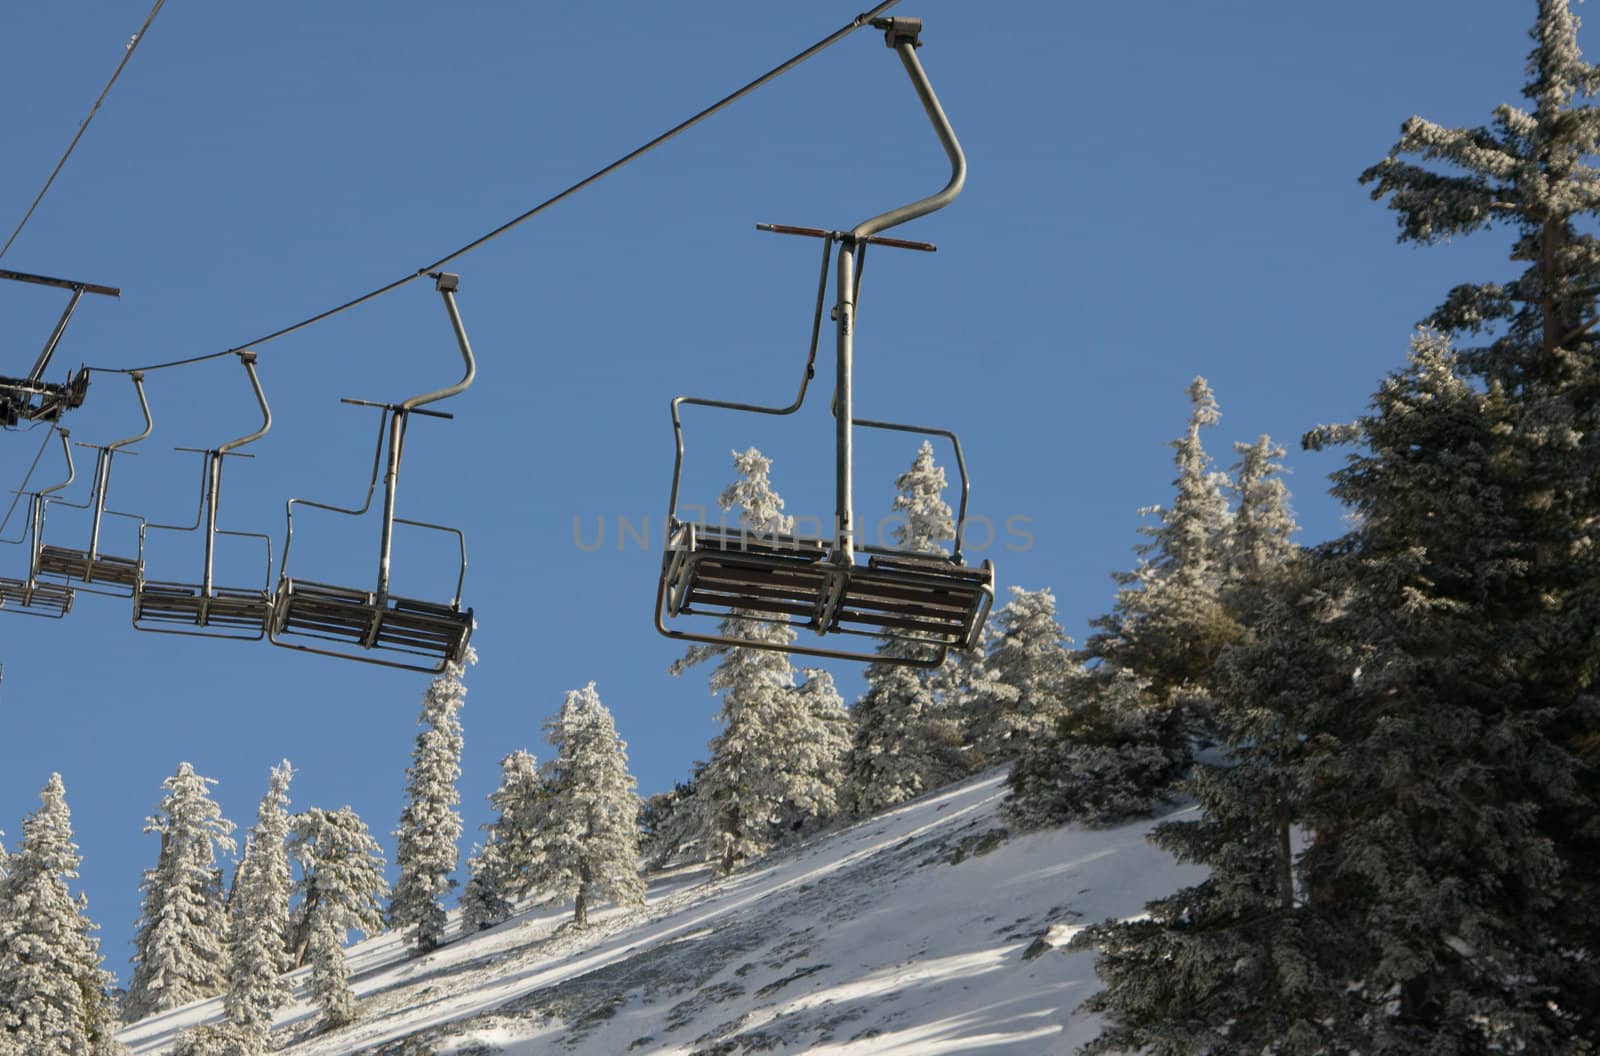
x=1156, y=191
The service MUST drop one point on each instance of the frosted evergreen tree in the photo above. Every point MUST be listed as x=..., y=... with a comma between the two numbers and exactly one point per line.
x=1168, y=623
x=483, y=904
x=511, y=859
x=430, y=825
x=892, y=757
x=181, y=951
x=929, y=523
x=258, y=924
x=1020, y=688
x=1531, y=343
x=747, y=789
x=1438, y=781
x=669, y=823
x=591, y=832
x=54, y=994
x=221, y=1039
x=1259, y=537
x=1243, y=961
x=1112, y=755
x=341, y=889
x=812, y=769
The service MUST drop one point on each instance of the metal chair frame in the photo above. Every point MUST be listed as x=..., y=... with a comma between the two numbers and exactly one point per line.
x=378, y=620
x=31, y=398
x=90, y=566
x=926, y=600
x=204, y=609
x=30, y=597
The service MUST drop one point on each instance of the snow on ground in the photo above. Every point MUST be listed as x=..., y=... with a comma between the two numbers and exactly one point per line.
x=904, y=934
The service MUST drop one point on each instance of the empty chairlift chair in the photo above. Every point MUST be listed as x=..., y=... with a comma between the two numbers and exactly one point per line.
x=203, y=608
x=926, y=603
x=31, y=596
x=90, y=568
x=374, y=625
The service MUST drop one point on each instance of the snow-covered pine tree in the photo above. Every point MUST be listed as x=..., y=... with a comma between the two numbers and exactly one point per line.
x=1020, y=688
x=745, y=790
x=1241, y=962
x=1128, y=738
x=891, y=758
x=591, y=832
x=919, y=495
x=506, y=867
x=430, y=824
x=219, y=1039
x=258, y=923
x=181, y=948
x=819, y=730
x=1111, y=756
x=1531, y=342
x=1436, y=782
x=1168, y=623
x=1259, y=535
x=482, y=904
x=54, y=994
x=341, y=889
x=669, y=823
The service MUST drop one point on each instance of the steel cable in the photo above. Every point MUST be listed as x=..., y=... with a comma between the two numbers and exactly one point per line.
x=126, y=55
x=633, y=155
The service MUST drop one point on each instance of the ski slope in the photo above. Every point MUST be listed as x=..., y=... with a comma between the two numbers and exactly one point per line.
x=903, y=934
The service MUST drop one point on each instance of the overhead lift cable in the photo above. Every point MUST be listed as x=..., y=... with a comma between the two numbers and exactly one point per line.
x=127, y=54
x=433, y=268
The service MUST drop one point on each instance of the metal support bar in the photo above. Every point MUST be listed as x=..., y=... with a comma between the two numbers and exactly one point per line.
x=213, y=493
x=63, y=284
x=103, y=466
x=55, y=337
x=447, y=284
x=901, y=35
x=818, y=232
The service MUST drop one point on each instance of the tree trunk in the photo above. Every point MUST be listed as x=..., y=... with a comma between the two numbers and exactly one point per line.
x=1285, y=852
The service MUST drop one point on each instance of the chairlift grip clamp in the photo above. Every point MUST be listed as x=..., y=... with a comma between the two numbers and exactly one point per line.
x=446, y=281
x=897, y=31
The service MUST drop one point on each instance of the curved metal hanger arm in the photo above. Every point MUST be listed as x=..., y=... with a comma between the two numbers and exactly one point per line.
x=144, y=407
x=248, y=359
x=901, y=34
x=447, y=284
x=72, y=470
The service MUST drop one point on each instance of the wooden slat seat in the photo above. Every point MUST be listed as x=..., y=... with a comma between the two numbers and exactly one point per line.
x=225, y=610
x=40, y=599
x=361, y=618
x=795, y=580
x=75, y=564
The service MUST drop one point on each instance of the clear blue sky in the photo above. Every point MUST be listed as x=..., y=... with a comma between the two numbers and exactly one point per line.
x=1157, y=190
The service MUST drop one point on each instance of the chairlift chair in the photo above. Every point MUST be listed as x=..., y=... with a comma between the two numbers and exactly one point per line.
x=32, y=596
x=930, y=602
x=93, y=570
x=376, y=626
x=203, y=608
x=31, y=398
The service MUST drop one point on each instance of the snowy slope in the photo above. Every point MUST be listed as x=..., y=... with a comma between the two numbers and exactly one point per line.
x=904, y=934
